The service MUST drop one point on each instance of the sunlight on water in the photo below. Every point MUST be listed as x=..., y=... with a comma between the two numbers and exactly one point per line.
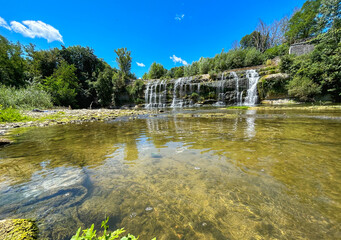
x=197, y=175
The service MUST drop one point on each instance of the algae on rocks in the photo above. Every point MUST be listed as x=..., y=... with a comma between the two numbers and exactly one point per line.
x=18, y=229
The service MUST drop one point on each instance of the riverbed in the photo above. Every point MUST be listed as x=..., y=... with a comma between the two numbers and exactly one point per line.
x=263, y=173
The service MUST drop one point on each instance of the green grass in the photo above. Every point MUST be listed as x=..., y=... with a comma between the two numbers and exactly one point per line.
x=12, y=115
x=24, y=98
x=238, y=107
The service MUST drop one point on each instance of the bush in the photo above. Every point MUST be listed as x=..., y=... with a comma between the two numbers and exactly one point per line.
x=90, y=234
x=195, y=97
x=11, y=115
x=253, y=57
x=24, y=98
x=286, y=62
x=303, y=88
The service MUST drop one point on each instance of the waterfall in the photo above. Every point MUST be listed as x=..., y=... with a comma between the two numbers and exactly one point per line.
x=179, y=91
x=156, y=94
x=239, y=95
x=229, y=90
x=251, y=97
x=220, y=87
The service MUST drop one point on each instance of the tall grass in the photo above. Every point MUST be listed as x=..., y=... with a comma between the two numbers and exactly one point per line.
x=24, y=98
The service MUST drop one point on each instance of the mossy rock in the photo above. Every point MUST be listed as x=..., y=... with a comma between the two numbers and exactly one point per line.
x=18, y=229
x=4, y=141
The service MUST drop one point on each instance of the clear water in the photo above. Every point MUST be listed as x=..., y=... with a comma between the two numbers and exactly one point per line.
x=223, y=174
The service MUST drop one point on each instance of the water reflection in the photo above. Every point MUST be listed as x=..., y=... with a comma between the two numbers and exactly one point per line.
x=250, y=131
x=238, y=175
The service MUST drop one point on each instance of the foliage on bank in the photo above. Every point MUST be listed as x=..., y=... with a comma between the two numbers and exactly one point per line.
x=90, y=234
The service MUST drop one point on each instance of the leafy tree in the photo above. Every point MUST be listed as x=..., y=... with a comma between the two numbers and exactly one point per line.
x=253, y=57
x=329, y=15
x=12, y=64
x=104, y=86
x=145, y=76
x=303, y=24
x=303, y=88
x=123, y=60
x=204, y=65
x=156, y=71
x=249, y=41
x=136, y=90
x=62, y=85
x=179, y=72
x=42, y=64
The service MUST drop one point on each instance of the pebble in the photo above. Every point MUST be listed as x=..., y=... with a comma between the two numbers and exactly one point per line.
x=133, y=214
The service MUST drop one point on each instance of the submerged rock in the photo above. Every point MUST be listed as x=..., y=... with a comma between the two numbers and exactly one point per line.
x=18, y=229
x=4, y=141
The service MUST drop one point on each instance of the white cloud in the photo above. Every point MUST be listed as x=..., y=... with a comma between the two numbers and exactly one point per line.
x=4, y=24
x=140, y=64
x=179, y=17
x=37, y=29
x=177, y=59
x=33, y=29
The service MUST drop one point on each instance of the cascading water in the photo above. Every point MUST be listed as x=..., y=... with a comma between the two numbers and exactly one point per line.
x=156, y=94
x=229, y=90
x=252, y=97
x=239, y=95
x=179, y=91
x=220, y=86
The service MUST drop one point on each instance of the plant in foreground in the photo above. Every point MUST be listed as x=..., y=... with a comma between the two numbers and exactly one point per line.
x=90, y=234
x=11, y=115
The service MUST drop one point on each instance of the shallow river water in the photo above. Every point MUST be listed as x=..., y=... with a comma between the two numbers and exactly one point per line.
x=208, y=174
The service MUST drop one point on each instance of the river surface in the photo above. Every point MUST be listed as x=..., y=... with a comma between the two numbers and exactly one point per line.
x=208, y=174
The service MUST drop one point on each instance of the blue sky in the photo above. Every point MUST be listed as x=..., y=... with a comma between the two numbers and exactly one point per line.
x=152, y=30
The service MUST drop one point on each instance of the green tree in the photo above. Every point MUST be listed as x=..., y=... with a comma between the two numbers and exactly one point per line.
x=303, y=24
x=253, y=57
x=62, y=85
x=329, y=15
x=303, y=88
x=123, y=60
x=156, y=71
x=179, y=72
x=12, y=64
x=104, y=86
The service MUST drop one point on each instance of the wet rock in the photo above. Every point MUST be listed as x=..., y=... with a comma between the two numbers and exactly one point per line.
x=18, y=229
x=4, y=141
x=148, y=209
x=156, y=155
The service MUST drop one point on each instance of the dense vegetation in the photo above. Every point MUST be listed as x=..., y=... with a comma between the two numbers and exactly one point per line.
x=72, y=76
x=76, y=77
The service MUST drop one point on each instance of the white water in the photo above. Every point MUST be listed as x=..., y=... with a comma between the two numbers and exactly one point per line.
x=179, y=91
x=156, y=91
x=239, y=95
x=251, y=97
x=156, y=94
x=220, y=86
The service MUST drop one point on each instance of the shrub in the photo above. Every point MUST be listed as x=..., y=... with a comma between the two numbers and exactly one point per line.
x=195, y=97
x=11, y=115
x=303, y=88
x=90, y=234
x=286, y=62
x=24, y=98
x=253, y=57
